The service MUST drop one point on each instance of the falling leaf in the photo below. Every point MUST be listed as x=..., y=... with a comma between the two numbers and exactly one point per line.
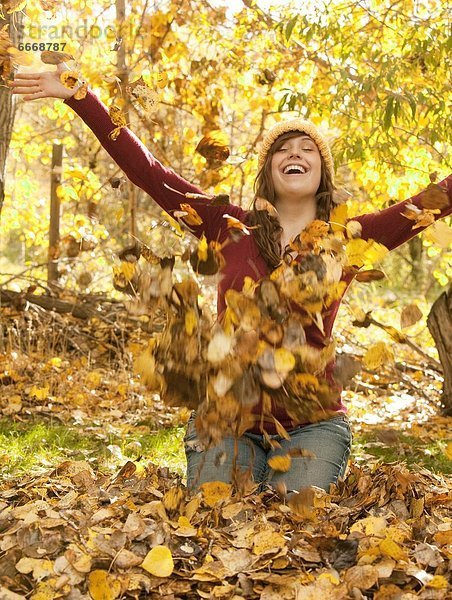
x=55, y=58
x=214, y=146
x=284, y=360
x=361, y=252
x=189, y=214
x=370, y=275
x=377, y=355
x=434, y=196
x=265, y=205
x=146, y=97
x=280, y=463
x=410, y=315
x=338, y=217
x=117, y=119
x=236, y=225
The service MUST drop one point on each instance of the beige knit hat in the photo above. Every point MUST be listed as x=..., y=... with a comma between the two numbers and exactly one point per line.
x=302, y=126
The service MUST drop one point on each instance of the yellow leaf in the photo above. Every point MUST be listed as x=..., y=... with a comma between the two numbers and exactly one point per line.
x=40, y=567
x=280, y=463
x=55, y=361
x=203, y=248
x=173, y=498
x=189, y=214
x=159, y=562
x=338, y=217
x=39, y=393
x=103, y=586
x=331, y=576
x=45, y=590
x=393, y=550
x=183, y=522
x=215, y=491
x=190, y=321
x=161, y=79
x=377, y=355
x=127, y=269
x=284, y=360
x=439, y=582
x=370, y=526
x=94, y=379
x=268, y=540
x=364, y=252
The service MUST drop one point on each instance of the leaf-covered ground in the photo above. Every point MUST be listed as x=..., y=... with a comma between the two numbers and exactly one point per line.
x=93, y=503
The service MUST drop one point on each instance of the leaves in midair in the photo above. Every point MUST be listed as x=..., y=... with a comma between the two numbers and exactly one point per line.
x=145, y=96
x=214, y=146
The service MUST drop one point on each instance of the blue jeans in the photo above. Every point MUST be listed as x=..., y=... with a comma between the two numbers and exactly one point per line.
x=329, y=441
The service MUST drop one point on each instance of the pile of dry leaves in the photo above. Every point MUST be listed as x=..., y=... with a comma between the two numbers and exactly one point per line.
x=383, y=533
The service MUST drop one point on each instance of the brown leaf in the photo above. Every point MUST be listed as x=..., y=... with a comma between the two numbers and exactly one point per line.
x=214, y=146
x=410, y=315
x=434, y=196
x=370, y=275
x=50, y=57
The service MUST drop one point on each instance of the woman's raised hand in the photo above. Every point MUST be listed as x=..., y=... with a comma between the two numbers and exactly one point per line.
x=45, y=84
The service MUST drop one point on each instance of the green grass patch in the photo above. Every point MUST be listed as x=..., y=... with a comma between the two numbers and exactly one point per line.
x=32, y=447
x=409, y=449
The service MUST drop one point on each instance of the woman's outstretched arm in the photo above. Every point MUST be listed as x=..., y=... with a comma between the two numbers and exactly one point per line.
x=391, y=228
x=137, y=162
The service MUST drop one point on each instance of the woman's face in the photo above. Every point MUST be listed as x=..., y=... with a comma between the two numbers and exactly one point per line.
x=296, y=168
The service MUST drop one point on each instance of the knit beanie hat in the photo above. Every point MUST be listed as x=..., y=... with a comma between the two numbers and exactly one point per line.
x=302, y=126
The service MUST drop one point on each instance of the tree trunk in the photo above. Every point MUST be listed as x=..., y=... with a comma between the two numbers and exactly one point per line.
x=54, y=225
x=439, y=322
x=123, y=74
x=7, y=103
x=417, y=266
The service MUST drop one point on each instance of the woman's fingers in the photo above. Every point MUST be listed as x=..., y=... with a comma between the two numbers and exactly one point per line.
x=23, y=84
x=27, y=75
x=27, y=90
x=35, y=96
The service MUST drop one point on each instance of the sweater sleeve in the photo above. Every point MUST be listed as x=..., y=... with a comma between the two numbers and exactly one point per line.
x=145, y=171
x=391, y=228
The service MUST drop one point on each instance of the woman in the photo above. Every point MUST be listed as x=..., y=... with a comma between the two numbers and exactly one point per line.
x=296, y=177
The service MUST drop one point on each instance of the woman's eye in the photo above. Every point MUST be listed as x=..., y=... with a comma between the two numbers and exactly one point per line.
x=307, y=149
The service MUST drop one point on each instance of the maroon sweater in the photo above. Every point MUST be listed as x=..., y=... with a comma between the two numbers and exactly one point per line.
x=242, y=259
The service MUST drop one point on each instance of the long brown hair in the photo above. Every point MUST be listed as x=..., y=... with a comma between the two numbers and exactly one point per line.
x=269, y=230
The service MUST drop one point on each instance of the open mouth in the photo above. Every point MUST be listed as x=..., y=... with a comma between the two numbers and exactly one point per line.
x=294, y=170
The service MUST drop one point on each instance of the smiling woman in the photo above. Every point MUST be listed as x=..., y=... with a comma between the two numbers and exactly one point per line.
x=273, y=391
